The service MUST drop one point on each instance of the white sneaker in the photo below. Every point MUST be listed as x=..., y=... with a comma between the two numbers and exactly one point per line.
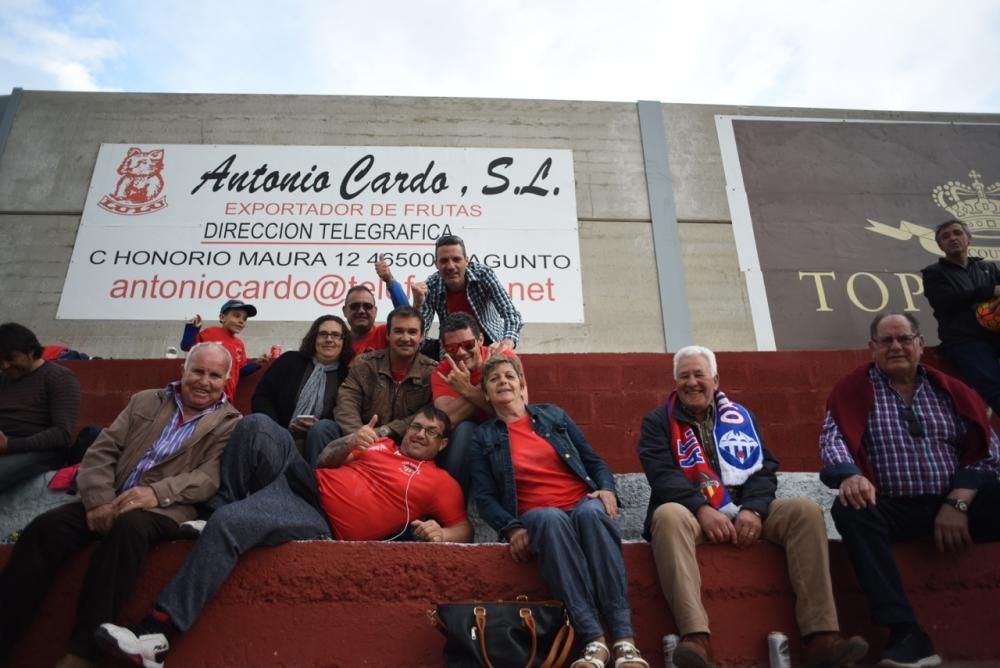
x=150, y=648
x=191, y=529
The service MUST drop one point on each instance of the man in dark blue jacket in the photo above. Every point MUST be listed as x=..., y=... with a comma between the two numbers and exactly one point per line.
x=712, y=479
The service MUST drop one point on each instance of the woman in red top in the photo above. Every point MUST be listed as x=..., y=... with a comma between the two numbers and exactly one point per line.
x=538, y=482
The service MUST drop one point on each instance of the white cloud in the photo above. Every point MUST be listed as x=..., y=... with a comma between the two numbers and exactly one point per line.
x=890, y=54
x=39, y=50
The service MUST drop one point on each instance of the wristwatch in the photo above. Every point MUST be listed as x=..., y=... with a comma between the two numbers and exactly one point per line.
x=957, y=504
x=384, y=431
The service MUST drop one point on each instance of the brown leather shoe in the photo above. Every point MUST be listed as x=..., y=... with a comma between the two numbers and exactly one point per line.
x=829, y=649
x=694, y=651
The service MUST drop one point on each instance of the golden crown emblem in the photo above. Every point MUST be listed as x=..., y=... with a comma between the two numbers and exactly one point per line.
x=978, y=206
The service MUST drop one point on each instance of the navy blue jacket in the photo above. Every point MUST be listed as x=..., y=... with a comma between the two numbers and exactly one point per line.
x=492, y=469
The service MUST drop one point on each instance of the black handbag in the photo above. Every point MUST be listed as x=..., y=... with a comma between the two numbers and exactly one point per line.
x=504, y=634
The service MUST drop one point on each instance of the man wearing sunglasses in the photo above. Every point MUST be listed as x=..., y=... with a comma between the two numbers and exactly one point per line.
x=912, y=455
x=456, y=391
x=365, y=488
x=360, y=311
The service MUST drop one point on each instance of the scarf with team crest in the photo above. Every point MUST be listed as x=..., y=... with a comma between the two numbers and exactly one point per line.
x=736, y=442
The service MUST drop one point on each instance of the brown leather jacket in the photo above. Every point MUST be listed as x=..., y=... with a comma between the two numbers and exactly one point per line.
x=187, y=477
x=370, y=390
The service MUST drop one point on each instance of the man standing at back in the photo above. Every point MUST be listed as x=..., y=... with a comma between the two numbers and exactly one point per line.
x=469, y=287
x=954, y=285
x=39, y=404
x=393, y=383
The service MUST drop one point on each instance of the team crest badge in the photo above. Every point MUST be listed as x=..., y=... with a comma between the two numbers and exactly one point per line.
x=139, y=189
x=739, y=450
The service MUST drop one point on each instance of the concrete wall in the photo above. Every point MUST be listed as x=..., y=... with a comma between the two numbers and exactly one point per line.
x=48, y=158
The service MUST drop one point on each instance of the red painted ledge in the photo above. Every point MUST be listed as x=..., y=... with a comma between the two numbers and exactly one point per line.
x=363, y=604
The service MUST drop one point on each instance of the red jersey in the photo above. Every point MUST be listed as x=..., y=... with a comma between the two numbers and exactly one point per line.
x=441, y=388
x=375, y=339
x=367, y=498
x=458, y=302
x=236, y=350
x=543, y=480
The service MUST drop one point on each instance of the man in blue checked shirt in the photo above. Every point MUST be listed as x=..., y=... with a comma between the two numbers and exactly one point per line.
x=139, y=480
x=459, y=285
x=912, y=455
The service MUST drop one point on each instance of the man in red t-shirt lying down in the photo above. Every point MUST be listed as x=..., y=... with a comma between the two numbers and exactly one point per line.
x=365, y=488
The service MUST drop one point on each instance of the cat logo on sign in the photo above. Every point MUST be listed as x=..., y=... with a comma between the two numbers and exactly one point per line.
x=139, y=189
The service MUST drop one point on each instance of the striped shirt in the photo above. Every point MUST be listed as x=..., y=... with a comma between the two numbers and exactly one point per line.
x=907, y=464
x=176, y=431
x=494, y=310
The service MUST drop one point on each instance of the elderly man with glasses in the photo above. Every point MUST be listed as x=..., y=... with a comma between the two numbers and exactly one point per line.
x=912, y=455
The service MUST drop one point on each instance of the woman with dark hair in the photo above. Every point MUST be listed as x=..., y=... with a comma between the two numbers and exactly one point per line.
x=299, y=389
x=538, y=482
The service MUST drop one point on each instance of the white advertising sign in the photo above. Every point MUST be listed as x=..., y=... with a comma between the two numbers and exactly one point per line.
x=173, y=230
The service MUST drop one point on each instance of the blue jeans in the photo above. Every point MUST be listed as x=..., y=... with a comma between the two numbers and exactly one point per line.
x=580, y=556
x=20, y=466
x=978, y=366
x=317, y=438
x=455, y=458
x=268, y=496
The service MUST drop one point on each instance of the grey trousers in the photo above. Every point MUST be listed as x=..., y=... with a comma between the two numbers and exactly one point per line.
x=268, y=496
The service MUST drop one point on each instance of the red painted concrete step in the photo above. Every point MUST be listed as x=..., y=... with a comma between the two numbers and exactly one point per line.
x=363, y=604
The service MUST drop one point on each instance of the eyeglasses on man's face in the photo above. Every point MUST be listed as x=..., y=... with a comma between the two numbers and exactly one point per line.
x=432, y=432
x=357, y=306
x=903, y=340
x=452, y=348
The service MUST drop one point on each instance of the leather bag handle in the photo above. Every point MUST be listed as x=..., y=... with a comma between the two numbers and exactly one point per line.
x=528, y=621
x=480, y=614
x=557, y=658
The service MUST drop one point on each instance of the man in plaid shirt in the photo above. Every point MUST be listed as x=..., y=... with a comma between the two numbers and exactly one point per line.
x=912, y=455
x=459, y=285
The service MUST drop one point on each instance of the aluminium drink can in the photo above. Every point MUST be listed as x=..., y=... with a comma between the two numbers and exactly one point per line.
x=777, y=649
x=670, y=643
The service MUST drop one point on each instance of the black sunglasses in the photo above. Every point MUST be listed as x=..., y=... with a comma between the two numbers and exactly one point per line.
x=913, y=422
x=357, y=306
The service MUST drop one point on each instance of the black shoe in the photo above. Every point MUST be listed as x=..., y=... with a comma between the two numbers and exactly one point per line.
x=913, y=650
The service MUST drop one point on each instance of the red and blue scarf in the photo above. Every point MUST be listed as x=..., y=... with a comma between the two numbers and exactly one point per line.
x=736, y=442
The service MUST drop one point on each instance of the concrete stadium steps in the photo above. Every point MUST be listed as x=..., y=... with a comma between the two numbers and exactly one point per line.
x=363, y=604
x=329, y=604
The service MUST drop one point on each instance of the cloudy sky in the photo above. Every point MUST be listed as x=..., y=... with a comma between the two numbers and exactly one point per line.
x=870, y=54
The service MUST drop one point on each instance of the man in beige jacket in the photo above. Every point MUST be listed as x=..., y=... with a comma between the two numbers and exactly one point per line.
x=139, y=480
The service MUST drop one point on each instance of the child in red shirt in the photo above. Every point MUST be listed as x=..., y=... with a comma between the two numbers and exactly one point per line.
x=233, y=317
